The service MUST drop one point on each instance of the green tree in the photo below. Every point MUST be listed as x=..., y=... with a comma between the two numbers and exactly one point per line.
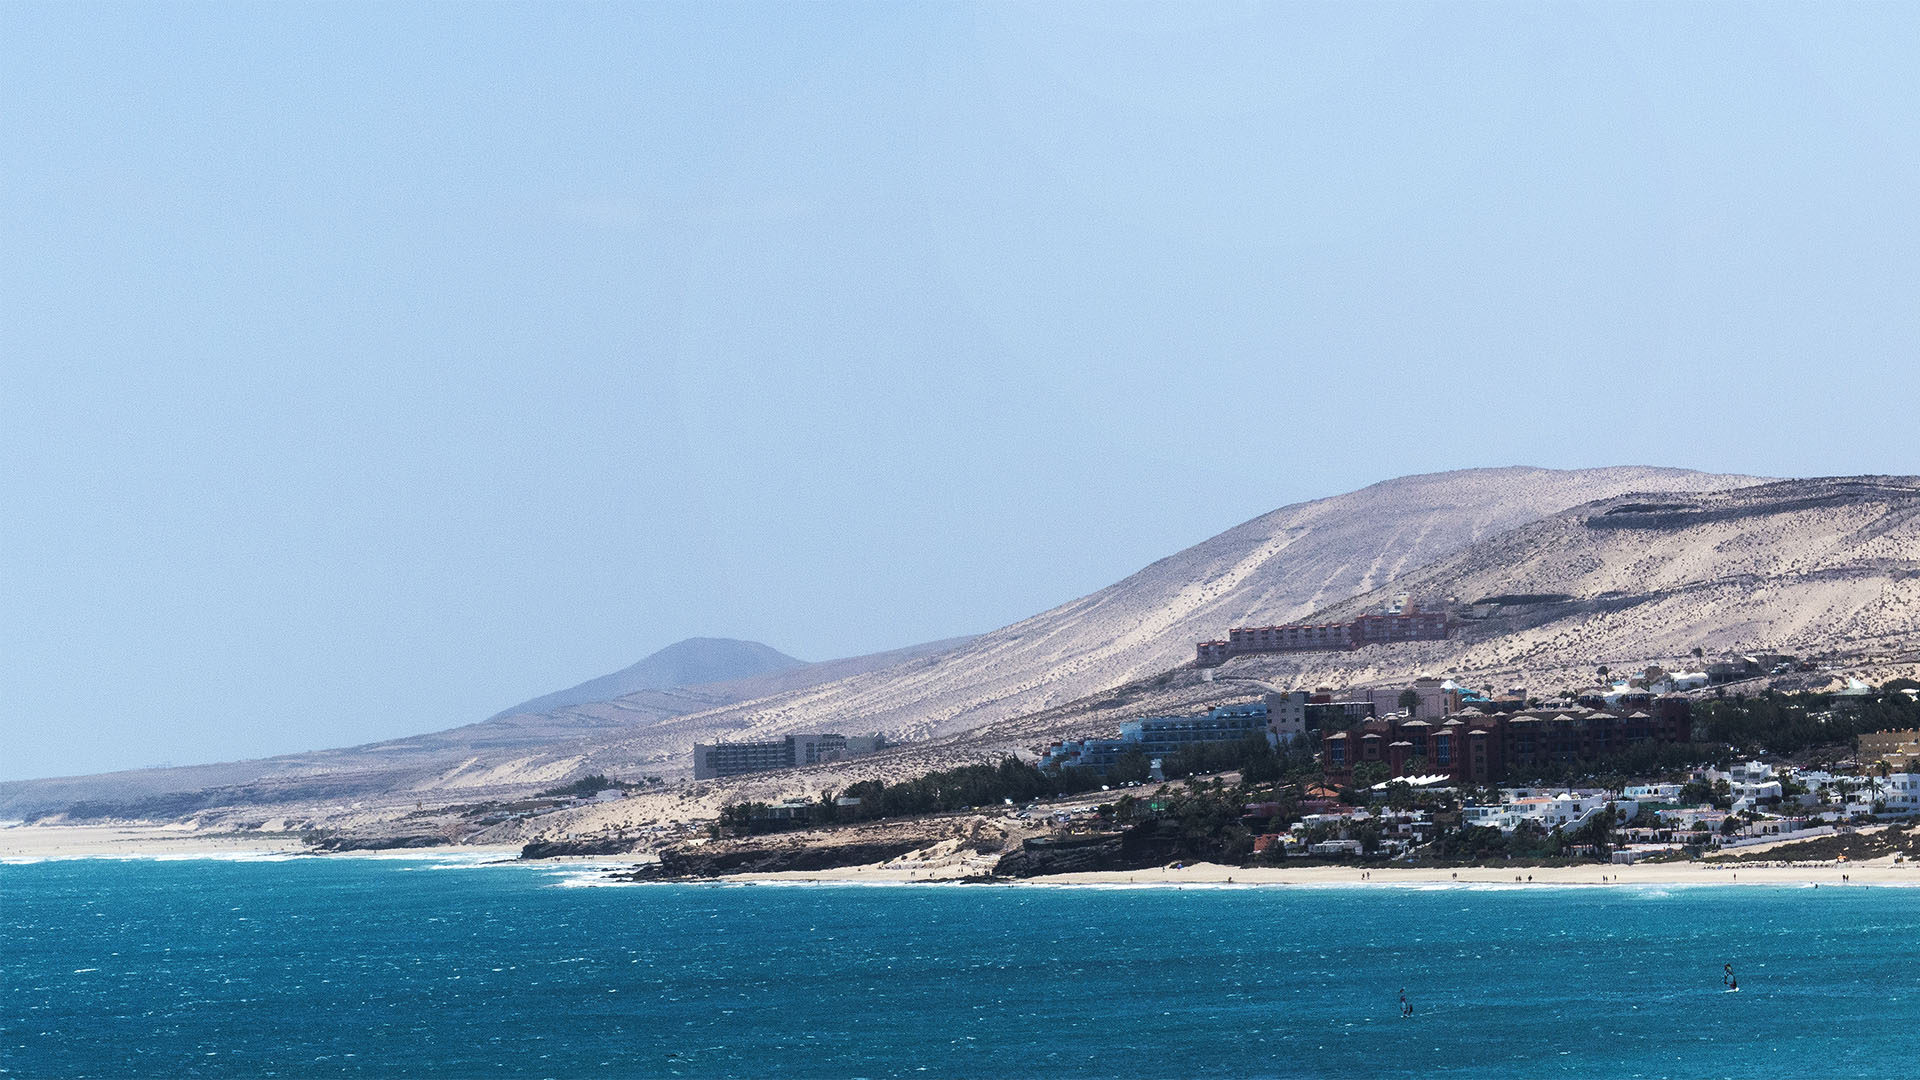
x=1598, y=831
x=1129, y=767
x=1368, y=773
x=1410, y=701
x=1368, y=834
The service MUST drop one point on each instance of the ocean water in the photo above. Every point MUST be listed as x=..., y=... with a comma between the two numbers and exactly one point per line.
x=367, y=967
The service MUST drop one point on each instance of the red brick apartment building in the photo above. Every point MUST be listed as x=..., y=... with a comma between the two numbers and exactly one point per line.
x=1473, y=747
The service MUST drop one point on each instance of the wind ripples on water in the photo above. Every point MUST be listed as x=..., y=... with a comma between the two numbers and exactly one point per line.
x=364, y=967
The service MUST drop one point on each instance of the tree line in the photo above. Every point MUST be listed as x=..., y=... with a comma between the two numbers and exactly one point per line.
x=943, y=791
x=1776, y=723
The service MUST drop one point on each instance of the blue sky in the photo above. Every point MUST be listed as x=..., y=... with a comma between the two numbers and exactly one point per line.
x=365, y=369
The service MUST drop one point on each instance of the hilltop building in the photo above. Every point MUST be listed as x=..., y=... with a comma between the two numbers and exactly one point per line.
x=1399, y=624
x=715, y=760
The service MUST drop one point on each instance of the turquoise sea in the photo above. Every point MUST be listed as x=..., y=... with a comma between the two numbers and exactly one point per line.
x=370, y=967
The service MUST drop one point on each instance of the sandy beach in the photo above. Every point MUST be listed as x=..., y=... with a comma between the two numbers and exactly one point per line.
x=124, y=841
x=31, y=842
x=1871, y=872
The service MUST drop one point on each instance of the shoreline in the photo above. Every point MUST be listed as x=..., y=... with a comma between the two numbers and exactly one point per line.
x=21, y=844
x=38, y=843
x=1599, y=875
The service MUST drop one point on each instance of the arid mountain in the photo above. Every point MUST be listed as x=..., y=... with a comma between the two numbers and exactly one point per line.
x=1824, y=567
x=415, y=767
x=1280, y=566
x=693, y=662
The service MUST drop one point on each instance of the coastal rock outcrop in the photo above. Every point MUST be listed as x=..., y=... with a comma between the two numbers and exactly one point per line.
x=1039, y=857
x=713, y=860
x=593, y=845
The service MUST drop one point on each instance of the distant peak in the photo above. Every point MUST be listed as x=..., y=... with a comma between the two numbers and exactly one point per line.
x=691, y=662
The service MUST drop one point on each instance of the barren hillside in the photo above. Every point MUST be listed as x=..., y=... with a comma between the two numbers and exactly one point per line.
x=513, y=749
x=1281, y=566
x=1827, y=567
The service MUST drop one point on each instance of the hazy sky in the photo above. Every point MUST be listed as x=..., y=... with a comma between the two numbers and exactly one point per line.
x=365, y=369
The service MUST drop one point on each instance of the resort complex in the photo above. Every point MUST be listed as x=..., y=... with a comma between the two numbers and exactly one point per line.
x=711, y=760
x=1423, y=768
x=1401, y=623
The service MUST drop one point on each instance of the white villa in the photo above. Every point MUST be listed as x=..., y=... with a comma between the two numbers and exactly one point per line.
x=1565, y=811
